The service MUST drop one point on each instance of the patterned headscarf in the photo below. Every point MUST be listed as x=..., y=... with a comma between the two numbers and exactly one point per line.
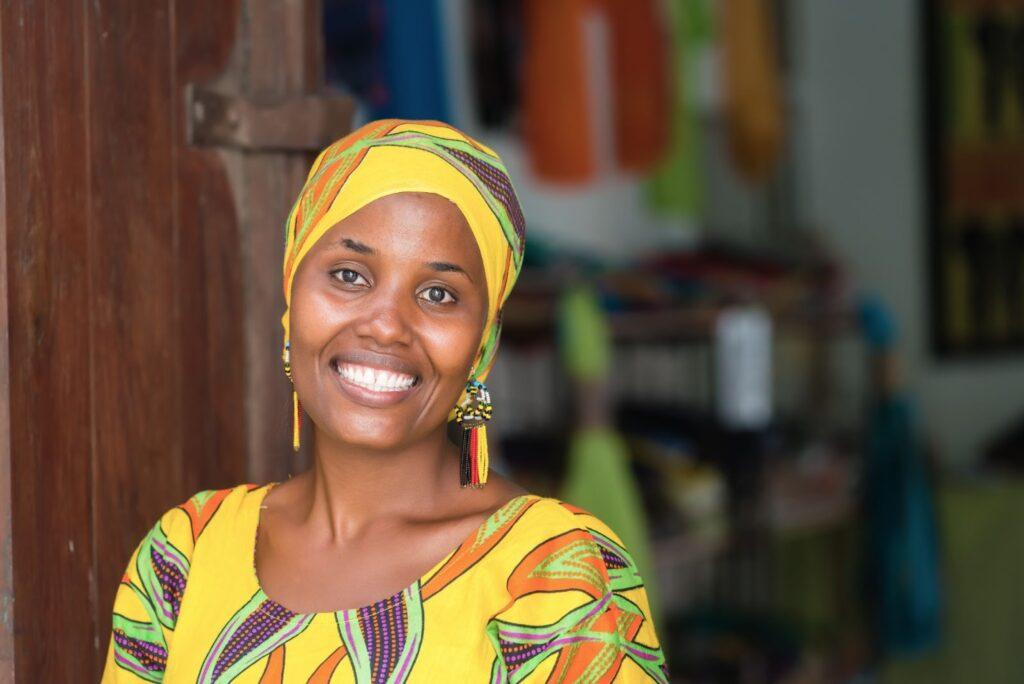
x=391, y=156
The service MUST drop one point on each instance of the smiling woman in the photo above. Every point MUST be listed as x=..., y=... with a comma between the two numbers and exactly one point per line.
x=387, y=317
x=395, y=557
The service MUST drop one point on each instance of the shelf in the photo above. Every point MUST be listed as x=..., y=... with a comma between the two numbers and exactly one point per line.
x=529, y=320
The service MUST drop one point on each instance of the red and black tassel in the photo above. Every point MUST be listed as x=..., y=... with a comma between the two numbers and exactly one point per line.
x=474, y=461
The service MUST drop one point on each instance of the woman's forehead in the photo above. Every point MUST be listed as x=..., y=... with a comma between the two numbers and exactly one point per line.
x=407, y=224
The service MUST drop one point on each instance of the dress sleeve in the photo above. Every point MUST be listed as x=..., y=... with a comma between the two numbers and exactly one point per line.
x=147, y=602
x=578, y=611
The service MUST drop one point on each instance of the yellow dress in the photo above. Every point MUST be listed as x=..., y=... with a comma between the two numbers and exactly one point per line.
x=541, y=591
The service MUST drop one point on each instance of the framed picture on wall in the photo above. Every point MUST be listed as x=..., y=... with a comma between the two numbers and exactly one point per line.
x=974, y=111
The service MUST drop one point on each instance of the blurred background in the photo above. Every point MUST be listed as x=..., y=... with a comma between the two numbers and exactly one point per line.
x=770, y=328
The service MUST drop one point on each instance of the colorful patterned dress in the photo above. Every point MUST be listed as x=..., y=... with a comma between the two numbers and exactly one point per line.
x=540, y=592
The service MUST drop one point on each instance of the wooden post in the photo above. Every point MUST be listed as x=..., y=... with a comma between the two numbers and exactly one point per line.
x=6, y=552
x=140, y=289
x=274, y=80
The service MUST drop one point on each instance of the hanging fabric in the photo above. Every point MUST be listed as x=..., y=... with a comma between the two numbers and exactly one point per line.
x=598, y=476
x=677, y=185
x=414, y=62
x=753, y=91
x=558, y=121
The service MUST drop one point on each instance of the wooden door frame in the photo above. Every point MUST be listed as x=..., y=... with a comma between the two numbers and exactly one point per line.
x=70, y=499
x=6, y=555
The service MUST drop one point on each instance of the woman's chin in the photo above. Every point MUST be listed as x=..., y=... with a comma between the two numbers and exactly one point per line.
x=380, y=436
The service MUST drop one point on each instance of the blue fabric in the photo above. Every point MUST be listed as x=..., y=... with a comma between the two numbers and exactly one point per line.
x=353, y=41
x=879, y=328
x=414, y=62
x=903, y=551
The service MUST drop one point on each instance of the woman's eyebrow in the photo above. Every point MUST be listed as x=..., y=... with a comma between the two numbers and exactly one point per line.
x=356, y=246
x=444, y=266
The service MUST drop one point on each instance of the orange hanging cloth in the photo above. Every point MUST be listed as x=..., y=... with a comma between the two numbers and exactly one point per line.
x=642, y=98
x=557, y=121
x=753, y=91
x=557, y=126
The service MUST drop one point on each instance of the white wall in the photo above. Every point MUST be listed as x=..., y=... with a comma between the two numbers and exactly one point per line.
x=858, y=85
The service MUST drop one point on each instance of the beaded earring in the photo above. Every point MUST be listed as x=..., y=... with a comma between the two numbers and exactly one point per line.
x=286, y=357
x=472, y=413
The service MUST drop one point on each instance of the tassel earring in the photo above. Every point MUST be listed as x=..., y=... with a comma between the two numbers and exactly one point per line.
x=286, y=357
x=296, y=420
x=472, y=413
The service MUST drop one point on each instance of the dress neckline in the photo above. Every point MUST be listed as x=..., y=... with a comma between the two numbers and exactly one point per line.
x=347, y=614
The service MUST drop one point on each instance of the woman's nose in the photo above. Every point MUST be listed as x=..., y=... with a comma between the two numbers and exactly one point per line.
x=385, y=320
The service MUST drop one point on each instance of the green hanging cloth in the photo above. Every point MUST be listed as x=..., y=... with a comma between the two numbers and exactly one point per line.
x=677, y=184
x=598, y=477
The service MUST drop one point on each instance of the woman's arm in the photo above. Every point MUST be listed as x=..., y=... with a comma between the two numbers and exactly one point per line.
x=147, y=602
x=579, y=611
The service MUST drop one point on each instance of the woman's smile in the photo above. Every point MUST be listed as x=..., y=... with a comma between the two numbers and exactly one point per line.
x=375, y=380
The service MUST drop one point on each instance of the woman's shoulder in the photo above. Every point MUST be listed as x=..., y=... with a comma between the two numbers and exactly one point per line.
x=553, y=515
x=573, y=587
x=202, y=507
x=552, y=527
x=183, y=524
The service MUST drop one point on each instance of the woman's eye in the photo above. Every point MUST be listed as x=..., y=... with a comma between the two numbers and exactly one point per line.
x=437, y=295
x=347, y=275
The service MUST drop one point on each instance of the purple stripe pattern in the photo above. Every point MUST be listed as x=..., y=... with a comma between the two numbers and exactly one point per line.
x=149, y=655
x=613, y=560
x=172, y=582
x=268, y=619
x=500, y=186
x=515, y=654
x=385, y=627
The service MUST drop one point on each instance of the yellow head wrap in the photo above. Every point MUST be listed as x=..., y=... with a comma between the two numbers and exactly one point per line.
x=391, y=156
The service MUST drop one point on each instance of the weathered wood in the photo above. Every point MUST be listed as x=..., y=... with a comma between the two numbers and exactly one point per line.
x=284, y=60
x=45, y=221
x=293, y=124
x=139, y=348
x=6, y=537
x=173, y=282
x=135, y=304
x=209, y=258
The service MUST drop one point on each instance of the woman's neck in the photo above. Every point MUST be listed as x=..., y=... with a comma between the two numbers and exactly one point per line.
x=349, y=487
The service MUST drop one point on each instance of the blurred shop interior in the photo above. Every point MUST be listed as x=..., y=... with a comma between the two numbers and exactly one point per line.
x=771, y=322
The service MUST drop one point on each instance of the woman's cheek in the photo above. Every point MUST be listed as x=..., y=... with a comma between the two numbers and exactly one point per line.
x=453, y=346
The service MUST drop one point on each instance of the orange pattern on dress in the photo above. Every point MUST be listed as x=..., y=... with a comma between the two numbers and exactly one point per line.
x=472, y=550
x=323, y=673
x=274, y=674
x=544, y=568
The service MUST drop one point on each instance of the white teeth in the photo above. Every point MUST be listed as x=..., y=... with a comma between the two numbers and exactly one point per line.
x=376, y=379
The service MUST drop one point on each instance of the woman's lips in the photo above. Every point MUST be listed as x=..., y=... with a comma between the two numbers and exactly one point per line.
x=367, y=396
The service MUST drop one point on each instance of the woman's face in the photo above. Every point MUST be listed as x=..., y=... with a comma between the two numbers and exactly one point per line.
x=387, y=312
